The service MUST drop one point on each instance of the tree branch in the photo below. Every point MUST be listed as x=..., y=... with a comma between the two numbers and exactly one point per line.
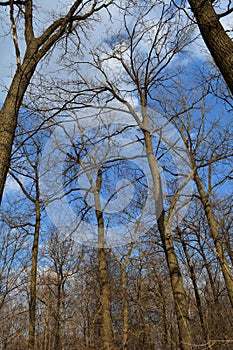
x=14, y=34
x=223, y=14
x=8, y=3
x=29, y=33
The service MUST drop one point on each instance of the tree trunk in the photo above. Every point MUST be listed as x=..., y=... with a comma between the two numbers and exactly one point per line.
x=10, y=110
x=215, y=235
x=125, y=308
x=106, y=326
x=181, y=303
x=36, y=49
x=46, y=340
x=33, y=285
x=57, y=342
x=220, y=45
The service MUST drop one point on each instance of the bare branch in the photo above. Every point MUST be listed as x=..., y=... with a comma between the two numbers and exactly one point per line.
x=223, y=14
x=8, y=3
x=14, y=34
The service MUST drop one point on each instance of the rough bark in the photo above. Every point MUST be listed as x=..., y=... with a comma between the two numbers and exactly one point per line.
x=220, y=45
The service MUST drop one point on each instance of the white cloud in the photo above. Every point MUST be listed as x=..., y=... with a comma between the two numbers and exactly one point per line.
x=12, y=185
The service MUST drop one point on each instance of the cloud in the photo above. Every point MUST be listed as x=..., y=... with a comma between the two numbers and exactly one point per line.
x=12, y=185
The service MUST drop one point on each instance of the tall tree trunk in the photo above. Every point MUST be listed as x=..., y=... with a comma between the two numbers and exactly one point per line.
x=63, y=318
x=46, y=340
x=226, y=233
x=216, y=39
x=215, y=235
x=57, y=342
x=181, y=303
x=33, y=284
x=106, y=326
x=125, y=308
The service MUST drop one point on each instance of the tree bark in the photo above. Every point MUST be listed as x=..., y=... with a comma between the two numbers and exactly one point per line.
x=220, y=45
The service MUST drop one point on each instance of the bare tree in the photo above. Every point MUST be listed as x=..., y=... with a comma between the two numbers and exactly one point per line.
x=210, y=158
x=33, y=162
x=141, y=71
x=36, y=48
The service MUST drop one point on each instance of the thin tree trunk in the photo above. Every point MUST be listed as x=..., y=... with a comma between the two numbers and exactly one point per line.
x=227, y=236
x=47, y=322
x=35, y=247
x=220, y=45
x=125, y=309
x=33, y=284
x=106, y=326
x=63, y=318
x=215, y=235
x=123, y=265
x=57, y=343
x=181, y=303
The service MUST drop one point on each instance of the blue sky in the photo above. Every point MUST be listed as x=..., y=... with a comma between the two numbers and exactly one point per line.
x=194, y=58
